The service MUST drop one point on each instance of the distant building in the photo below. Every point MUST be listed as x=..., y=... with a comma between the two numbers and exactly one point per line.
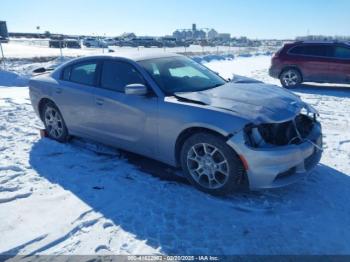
x=224, y=36
x=189, y=34
x=199, y=35
x=194, y=27
x=178, y=35
x=212, y=34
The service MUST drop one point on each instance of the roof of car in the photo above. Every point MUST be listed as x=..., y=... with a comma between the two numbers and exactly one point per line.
x=133, y=56
x=322, y=42
x=138, y=56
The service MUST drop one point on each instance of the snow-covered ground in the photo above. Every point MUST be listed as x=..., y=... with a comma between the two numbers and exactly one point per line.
x=83, y=198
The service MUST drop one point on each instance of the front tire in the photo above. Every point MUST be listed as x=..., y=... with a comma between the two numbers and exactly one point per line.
x=290, y=78
x=210, y=164
x=54, y=123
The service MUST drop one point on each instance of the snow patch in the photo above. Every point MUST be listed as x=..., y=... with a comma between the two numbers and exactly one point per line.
x=12, y=79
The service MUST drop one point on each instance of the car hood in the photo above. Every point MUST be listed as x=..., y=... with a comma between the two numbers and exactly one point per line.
x=256, y=102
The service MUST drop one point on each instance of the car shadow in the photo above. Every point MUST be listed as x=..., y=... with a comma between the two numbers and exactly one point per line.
x=312, y=216
x=332, y=90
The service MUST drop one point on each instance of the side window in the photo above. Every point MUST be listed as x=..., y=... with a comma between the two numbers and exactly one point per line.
x=319, y=50
x=298, y=50
x=342, y=52
x=83, y=73
x=116, y=75
x=312, y=50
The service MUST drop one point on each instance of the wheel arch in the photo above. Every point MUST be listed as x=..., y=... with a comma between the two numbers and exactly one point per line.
x=243, y=179
x=189, y=131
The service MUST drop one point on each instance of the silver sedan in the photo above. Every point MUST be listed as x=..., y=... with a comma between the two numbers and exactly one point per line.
x=172, y=109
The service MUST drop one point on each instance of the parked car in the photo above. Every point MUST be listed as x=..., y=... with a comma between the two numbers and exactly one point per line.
x=146, y=42
x=66, y=43
x=124, y=43
x=168, y=41
x=94, y=42
x=183, y=43
x=72, y=43
x=53, y=43
x=110, y=41
x=321, y=62
x=175, y=110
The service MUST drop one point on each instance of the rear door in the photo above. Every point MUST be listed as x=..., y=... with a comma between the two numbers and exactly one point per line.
x=313, y=61
x=74, y=96
x=125, y=121
x=339, y=66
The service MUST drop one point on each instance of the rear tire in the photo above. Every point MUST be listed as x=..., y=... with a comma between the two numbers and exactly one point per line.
x=290, y=78
x=210, y=164
x=54, y=123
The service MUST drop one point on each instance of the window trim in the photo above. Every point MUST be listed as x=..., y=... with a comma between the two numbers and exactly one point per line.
x=63, y=70
x=97, y=62
x=328, y=57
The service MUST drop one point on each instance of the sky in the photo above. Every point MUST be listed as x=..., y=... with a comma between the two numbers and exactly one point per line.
x=257, y=19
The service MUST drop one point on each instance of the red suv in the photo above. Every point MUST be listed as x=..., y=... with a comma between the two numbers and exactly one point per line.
x=322, y=62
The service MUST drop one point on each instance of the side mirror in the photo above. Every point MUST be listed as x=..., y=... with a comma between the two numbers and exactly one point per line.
x=136, y=89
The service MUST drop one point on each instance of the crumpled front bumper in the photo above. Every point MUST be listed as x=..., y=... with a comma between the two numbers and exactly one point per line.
x=280, y=165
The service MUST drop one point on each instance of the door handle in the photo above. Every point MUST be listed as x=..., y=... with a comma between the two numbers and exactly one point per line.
x=58, y=90
x=100, y=101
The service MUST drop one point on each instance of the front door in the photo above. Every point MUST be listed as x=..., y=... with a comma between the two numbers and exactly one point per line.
x=125, y=121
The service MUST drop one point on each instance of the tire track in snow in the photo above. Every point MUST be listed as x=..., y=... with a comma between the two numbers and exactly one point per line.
x=77, y=229
x=9, y=188
x=9, y=178
x=16, y=250
x=15, y=197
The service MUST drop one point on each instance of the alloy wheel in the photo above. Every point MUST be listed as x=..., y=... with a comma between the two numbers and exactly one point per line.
x=54, y=122
x=208, y=166
x=290, y=78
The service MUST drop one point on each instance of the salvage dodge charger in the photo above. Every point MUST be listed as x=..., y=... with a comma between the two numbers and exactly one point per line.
x=172, y=109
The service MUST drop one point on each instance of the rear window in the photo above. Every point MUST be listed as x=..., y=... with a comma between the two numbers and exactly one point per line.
x=312, y=50
x=83, y=73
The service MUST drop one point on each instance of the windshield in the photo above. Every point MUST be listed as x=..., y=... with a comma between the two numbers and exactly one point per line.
x=181, y=74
